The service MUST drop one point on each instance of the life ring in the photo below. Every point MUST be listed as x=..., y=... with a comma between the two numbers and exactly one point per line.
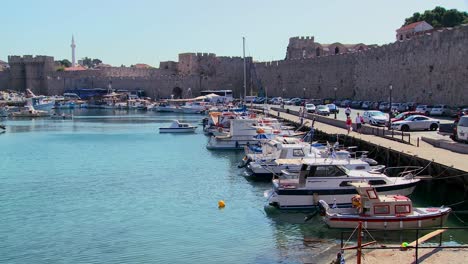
x=260, y=131
x=356, y=201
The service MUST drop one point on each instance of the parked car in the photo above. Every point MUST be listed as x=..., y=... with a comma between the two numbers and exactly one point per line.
x=395, y=107
x=426, y=109
x=310, y=108
x=376, y=118
x=333, y=108
x=356, y=104
x=384, y=106
x=404, y=115
x=259, y=100
x=442, y=110
x=327, y=101
x=416, y=122
x=403, y=107
x=322, y=110
x=315, y=101
x=277, y=101
x=294, y=101
x=366, y=105
x=337, y=102
x=462, y=129
x=411, y=106
x=345, y=103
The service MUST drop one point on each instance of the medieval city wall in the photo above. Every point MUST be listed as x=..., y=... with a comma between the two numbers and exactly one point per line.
x=4, y=79
x=432, y=68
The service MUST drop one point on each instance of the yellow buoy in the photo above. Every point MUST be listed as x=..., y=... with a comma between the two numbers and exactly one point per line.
x=221, y=204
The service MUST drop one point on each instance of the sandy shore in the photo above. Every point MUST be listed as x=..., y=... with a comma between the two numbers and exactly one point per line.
x=395, y=256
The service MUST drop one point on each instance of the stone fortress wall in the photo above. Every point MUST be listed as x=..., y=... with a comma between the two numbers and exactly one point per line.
x=431, y=68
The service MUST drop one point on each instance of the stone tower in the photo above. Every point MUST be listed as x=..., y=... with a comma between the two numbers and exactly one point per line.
x=73, y=51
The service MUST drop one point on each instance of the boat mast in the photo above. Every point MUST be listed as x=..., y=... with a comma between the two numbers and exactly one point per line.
x=245, y=71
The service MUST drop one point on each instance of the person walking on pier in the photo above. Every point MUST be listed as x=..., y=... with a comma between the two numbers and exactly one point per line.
x=359, y=120
x=347, y=111
x=349, y=124
x=301, y=115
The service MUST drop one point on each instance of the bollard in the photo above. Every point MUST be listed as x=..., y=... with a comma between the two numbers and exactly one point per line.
x=409, y=138
x=402, y=135
x=418, y=142
x=393, y=133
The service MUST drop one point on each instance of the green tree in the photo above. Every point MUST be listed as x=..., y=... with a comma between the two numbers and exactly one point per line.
x=91, y=63
x=65, y=63
x=96, y=62
x=439, y=17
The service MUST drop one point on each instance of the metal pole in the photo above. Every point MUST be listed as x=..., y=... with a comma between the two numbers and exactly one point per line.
x=390, y=112
x=417, y=245
x=245, y=68
x=336, y=107
x=359, y=243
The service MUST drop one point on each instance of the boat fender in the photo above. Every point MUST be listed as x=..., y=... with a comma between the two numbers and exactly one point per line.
x=323, y=207
x=356, y=201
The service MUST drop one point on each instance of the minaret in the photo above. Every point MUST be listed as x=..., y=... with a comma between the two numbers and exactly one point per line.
x=73, y=51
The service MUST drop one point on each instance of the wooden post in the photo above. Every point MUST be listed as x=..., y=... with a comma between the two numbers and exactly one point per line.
x=417, y=245
x=359, y=243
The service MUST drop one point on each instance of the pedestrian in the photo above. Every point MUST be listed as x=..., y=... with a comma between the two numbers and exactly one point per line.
x=348, y=111
x=359, y=120
x=301, y=115
x=349, y=124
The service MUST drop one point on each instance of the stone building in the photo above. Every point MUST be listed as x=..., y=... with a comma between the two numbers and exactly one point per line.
x=413, y=29
x=306, y=48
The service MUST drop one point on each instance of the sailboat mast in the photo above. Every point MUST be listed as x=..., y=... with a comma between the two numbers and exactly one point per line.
x=245, y=69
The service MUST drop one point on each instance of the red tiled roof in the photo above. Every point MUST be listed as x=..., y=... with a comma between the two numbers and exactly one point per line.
x=410, y=26
x=76, y=68
x=142, y=66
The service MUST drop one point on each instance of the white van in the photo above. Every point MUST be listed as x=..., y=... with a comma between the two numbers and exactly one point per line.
x=462, y=129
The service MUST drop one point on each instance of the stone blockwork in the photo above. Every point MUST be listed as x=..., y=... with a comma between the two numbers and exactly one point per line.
x=431, y=68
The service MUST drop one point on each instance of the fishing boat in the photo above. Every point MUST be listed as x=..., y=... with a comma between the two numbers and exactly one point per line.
x=329, y=180
x=177, y=127
x=29, y=112
x=390, y=212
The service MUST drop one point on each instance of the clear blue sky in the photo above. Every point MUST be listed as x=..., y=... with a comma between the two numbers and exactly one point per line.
x=149, y=31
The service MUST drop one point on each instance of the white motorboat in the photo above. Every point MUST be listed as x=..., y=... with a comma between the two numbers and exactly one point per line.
x=165, y=108
x=30, y=112
x=329, y=180
x=241, y=134
x=262, y=166
x=177, y=127
x=388, y=212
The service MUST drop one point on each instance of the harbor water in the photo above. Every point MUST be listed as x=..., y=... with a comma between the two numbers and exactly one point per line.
x=106, y=187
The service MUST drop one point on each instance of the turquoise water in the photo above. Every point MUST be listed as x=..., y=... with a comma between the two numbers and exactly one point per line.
x=106, y=187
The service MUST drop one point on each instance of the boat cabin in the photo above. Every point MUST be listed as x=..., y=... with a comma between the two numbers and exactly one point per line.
x=368, y=202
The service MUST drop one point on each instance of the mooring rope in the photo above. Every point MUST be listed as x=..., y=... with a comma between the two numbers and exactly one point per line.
x=463, y=222
x=448, y=177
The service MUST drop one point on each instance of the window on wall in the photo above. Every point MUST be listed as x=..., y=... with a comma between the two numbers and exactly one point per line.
x=317, y=52
x=401, y=37
x=337, y=50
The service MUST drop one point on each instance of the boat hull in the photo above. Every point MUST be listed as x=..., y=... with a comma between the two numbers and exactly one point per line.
x=177, y=130
x=307, y=199
x=438, y=217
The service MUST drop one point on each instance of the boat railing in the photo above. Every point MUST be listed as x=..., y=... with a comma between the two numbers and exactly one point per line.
x=403, y=171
